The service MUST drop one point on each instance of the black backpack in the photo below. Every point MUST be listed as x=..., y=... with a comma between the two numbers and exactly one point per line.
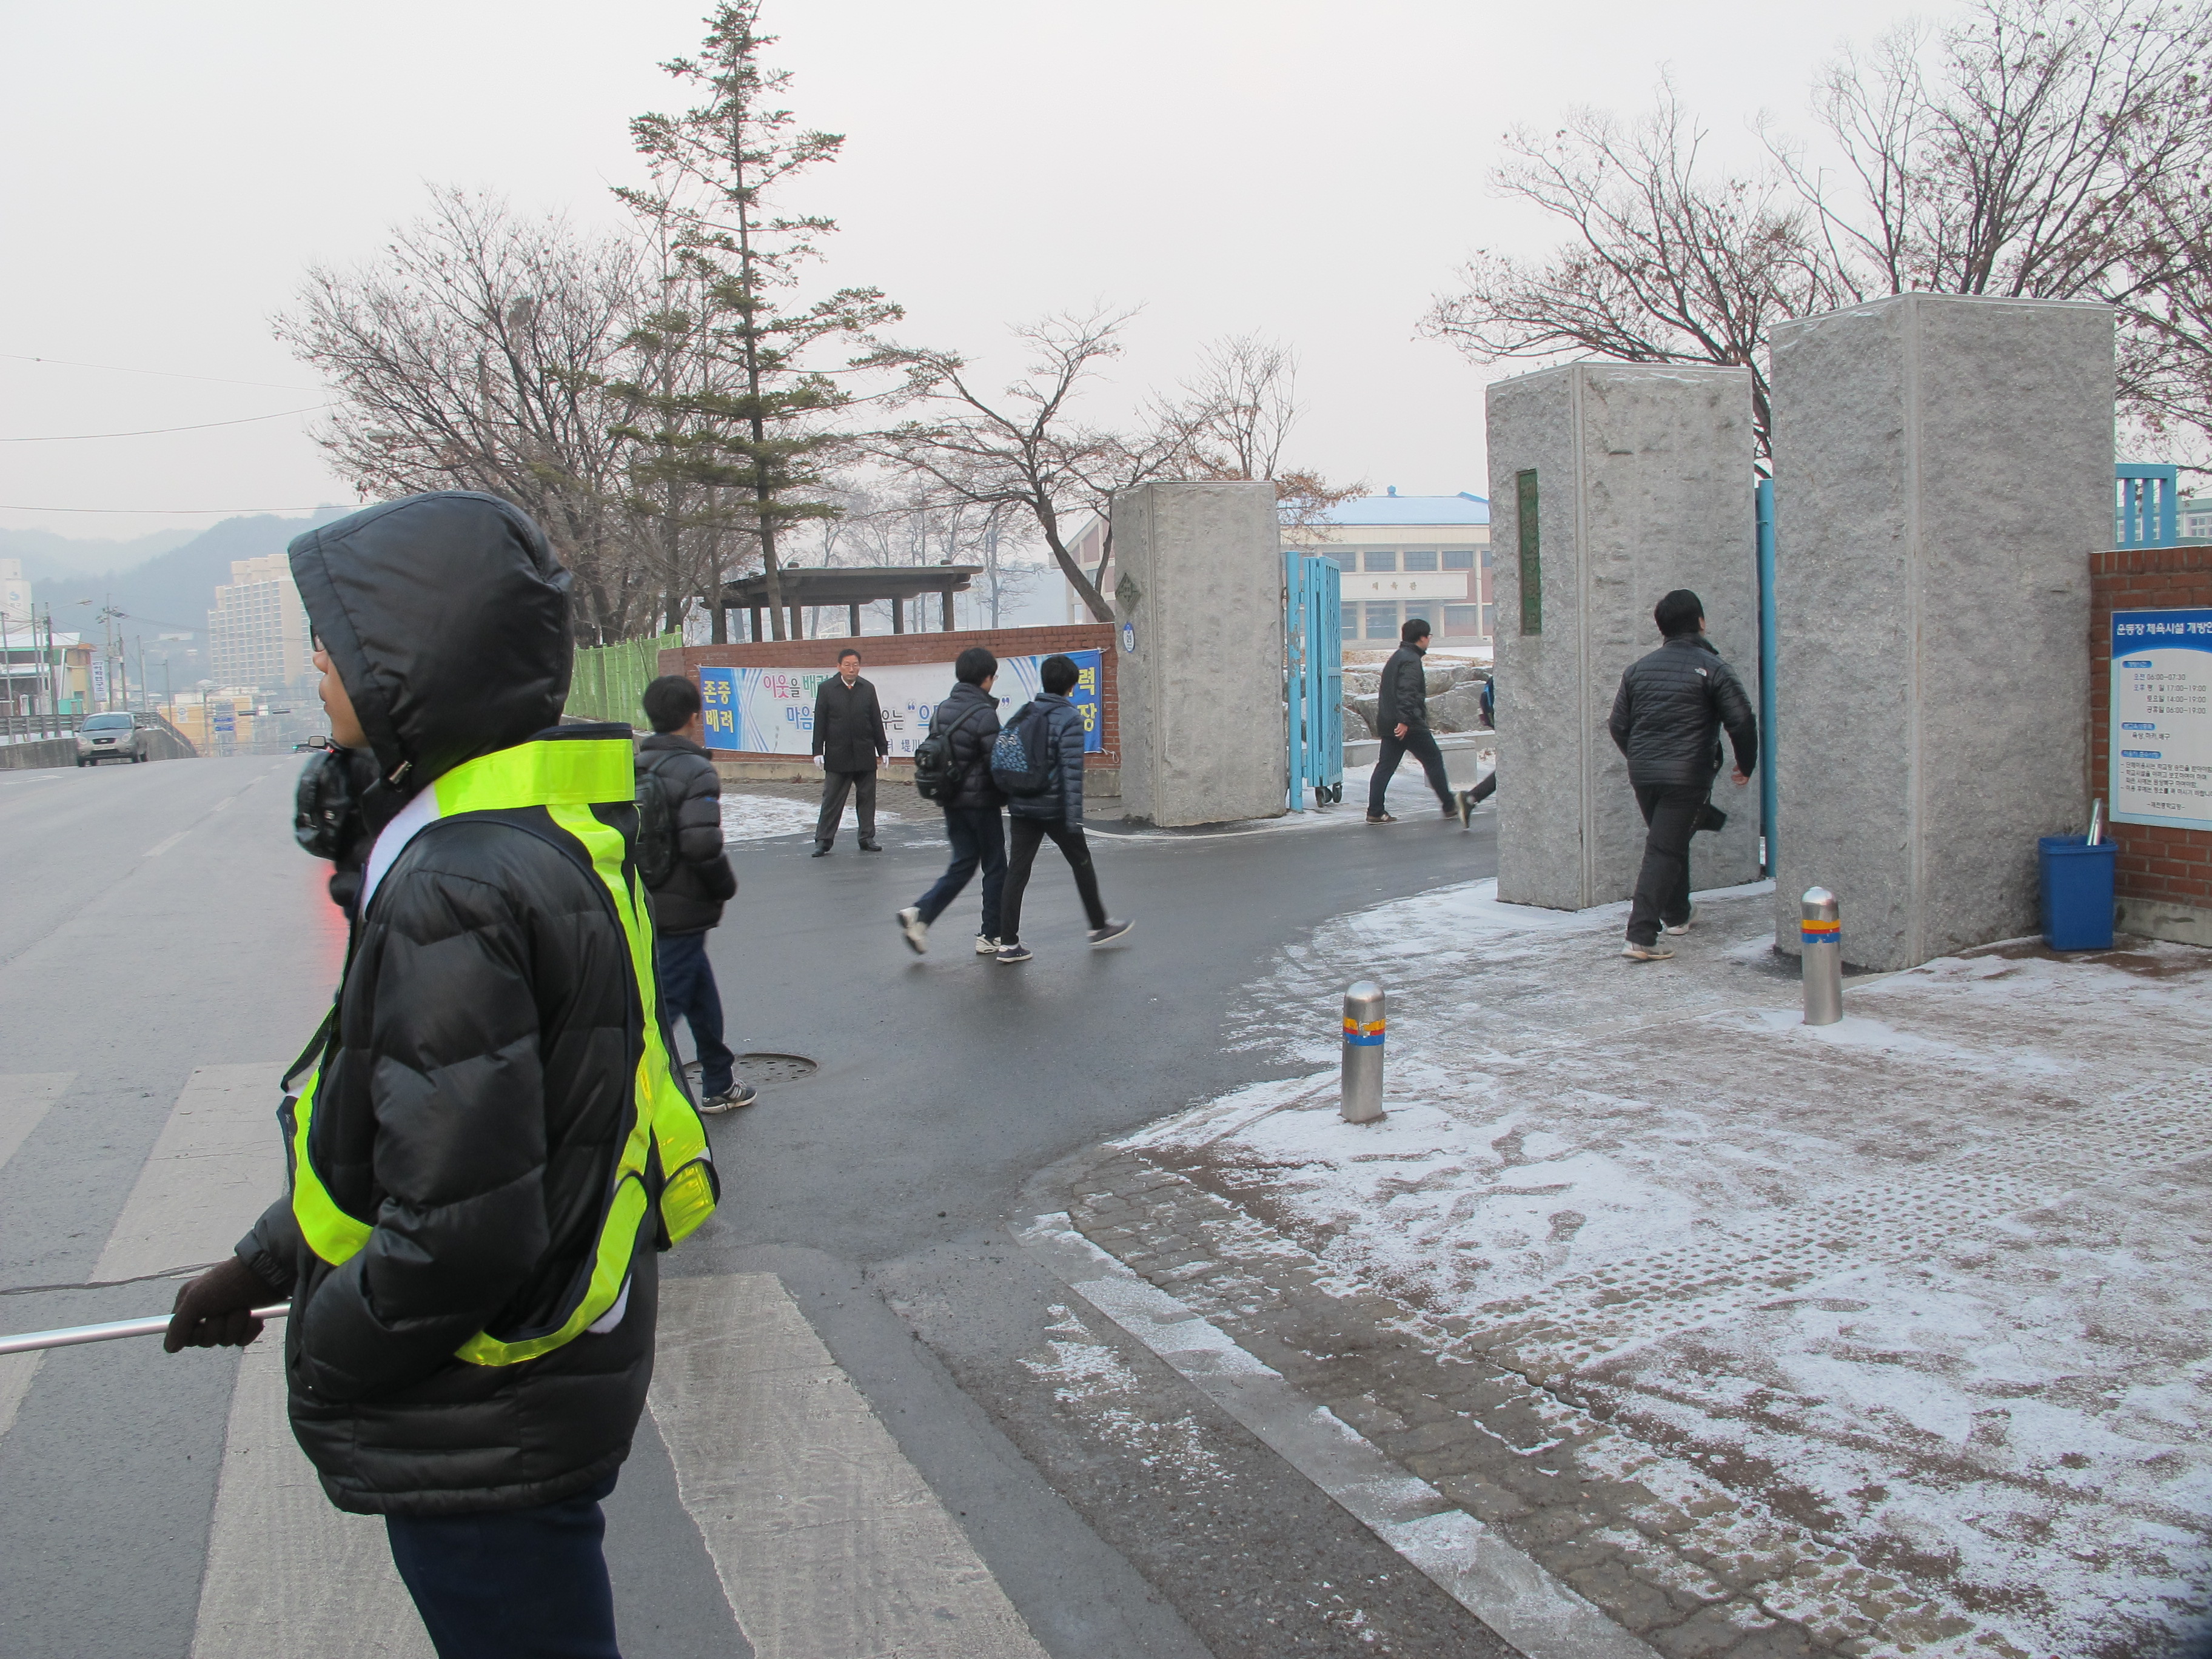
x=1024, y=754
x=656, y=829
x=936, y=774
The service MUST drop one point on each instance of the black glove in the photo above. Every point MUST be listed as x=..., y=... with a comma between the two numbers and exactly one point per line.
x=214, y=1310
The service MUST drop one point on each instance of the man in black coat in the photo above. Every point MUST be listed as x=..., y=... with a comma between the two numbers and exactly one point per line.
x=1402, y=721
x=1666, y=719
x=850, y=745
x=688, y=903
x=466, y=1146
x=968, y=720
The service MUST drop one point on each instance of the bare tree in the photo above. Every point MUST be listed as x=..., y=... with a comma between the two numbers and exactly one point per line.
x=1025, y=450
x=1238, y=410
x=2020, y=167
x=475, y=354
x=2028, y=149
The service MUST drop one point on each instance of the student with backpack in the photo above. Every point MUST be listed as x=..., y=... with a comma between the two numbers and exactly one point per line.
x=1037, y=764
x=687, y=877
x=952, y=767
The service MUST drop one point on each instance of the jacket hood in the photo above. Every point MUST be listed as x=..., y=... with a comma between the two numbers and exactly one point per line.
x=446, y=617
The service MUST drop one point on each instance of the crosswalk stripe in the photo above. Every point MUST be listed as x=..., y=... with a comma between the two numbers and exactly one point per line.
x=219, y=1161
x=828, y=1541
x=287, y=1573
x=25, y=1099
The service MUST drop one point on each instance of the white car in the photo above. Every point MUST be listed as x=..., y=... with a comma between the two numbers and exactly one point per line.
x=110, y=737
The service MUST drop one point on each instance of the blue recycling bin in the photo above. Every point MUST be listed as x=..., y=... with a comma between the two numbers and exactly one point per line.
x=2077, y=892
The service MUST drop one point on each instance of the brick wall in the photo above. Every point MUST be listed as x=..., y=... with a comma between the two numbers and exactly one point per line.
x=2160, y=868
x=888, y=649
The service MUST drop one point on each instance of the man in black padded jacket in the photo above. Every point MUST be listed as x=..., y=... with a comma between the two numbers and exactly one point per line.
x=1666, y=719
x=469, y=1239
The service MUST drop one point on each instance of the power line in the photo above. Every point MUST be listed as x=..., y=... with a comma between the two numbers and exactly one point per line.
x=155, y=431
x=169, y=512
x=162, y=373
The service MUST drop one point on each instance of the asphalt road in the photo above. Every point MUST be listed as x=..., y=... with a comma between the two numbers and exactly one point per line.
x=156, y=921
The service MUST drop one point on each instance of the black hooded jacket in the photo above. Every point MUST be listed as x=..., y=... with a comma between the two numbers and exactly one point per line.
x=473, y=1104
x=1668, y=715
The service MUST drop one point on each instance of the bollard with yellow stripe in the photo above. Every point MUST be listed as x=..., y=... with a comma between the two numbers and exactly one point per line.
x=1364, y=1022
x=1820, y=947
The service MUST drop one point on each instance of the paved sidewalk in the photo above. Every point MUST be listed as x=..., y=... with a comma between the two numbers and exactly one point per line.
x=1884, y=1338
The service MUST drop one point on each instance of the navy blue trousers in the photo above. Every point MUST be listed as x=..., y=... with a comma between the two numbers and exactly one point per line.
x=511, y=1583
x=688, y=990
x=978, y=836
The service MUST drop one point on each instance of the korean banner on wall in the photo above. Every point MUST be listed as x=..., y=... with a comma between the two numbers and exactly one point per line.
x=770, y=711
x=2161, y=715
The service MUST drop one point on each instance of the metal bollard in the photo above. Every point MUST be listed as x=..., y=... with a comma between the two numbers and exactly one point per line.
x=1822, y=949
x=1362, y=1097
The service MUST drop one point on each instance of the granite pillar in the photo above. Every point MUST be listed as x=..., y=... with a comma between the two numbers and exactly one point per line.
x=1943, y=470
x=1641, y=478
x=1199, y=615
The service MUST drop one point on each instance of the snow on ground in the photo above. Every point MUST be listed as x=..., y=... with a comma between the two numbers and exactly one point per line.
x=759, y=818
x=1933, y=1282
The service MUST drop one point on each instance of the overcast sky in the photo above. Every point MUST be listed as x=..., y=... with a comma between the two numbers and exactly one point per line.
x=1311, y=171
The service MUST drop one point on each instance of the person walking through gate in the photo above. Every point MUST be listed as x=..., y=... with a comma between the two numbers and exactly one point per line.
x=487, y=1139
x=1470, y=799
x=850, y=745
x=1666, y=719
x=1402, y=721
x=694, y=880
x=968, y=720
x=1057, y=814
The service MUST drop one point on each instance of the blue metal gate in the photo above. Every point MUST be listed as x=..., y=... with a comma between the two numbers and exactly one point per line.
x=1313, y=688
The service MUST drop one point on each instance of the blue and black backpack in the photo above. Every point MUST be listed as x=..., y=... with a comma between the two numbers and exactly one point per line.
x=1024, y=754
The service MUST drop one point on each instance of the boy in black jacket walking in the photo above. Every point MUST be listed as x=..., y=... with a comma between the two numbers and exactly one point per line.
x=968, y=720
x=1057, y=813
x=1666, y=719
x=688, y=905
x=1402, y=721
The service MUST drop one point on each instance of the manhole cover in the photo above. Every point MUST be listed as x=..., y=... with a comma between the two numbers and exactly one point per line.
x=763, y=1071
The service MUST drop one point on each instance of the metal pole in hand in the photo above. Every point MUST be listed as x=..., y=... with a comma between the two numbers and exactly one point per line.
x=1362, y=1097
x=69, y=1335
x=1822, y=950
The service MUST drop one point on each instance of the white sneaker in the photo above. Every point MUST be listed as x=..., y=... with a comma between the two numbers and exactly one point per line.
x=986, y=945
x=1656, y=951
x=1683, y=926
x=914, y=929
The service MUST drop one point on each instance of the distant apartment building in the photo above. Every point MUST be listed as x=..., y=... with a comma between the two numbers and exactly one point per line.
x=2195, y=516
x=15, y=594
x=1402, y=556
x=257, y=631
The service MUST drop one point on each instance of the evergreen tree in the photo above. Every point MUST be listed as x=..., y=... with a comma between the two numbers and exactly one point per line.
x=764, y=435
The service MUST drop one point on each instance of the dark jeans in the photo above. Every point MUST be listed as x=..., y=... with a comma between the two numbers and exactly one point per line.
x=834, y=785
x=1422, y=747
x=1483, y=791
x=1662, y=885
x=686, y=982
x=511, y=1583
x=978, y=836
x=1028, y=833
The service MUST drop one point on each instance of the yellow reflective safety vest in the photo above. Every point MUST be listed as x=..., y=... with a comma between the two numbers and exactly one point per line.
x=567, y=777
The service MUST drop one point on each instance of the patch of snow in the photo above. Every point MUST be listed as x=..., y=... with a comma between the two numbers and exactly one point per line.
x=1940, y=1272
x=763, y=817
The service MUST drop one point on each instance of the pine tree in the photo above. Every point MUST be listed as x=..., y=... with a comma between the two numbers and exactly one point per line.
x=718, y=170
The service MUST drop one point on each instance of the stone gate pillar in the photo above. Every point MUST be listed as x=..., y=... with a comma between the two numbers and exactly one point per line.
x=1640, y=477
x=1198, y=625
x=1943, y=469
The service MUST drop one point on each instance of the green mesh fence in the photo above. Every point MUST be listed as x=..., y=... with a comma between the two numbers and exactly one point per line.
x=610, y=678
